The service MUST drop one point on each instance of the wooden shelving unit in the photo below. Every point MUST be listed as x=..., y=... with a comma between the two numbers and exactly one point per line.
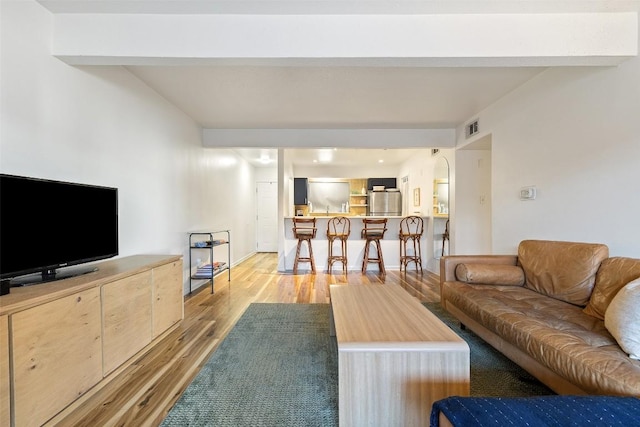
x=357, y=200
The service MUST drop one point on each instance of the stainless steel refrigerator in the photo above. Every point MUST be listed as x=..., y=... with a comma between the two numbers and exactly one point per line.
x=384, y=203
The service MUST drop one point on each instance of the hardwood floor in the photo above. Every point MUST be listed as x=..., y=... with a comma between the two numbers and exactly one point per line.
x=143, y=393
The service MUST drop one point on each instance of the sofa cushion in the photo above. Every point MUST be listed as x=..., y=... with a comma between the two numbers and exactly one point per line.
x=561, y=270
x=622, y=318
x=558, y=335
x=491, y=274
x=612, y=275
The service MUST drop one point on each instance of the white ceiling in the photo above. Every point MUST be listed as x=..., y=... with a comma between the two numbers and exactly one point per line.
x=254, y=97
x=293, y=95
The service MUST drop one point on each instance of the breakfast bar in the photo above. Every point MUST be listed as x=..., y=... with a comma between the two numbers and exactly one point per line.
x=355, y=244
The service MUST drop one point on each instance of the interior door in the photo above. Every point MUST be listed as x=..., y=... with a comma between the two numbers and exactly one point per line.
x=267, y=217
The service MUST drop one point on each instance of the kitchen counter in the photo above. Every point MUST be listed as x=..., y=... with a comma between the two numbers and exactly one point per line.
x=332, y=215
x=355, y=244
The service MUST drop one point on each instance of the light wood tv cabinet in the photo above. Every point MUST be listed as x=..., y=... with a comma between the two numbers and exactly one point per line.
x=68, y=337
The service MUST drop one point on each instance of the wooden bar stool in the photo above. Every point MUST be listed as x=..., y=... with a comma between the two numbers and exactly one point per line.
x=373, y=232
x=304, y=229
x=338, y=228
x=411, y=229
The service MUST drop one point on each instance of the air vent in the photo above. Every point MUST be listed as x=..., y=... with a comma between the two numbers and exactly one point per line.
x=471, y=129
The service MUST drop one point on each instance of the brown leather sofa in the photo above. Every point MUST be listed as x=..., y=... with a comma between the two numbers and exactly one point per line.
x=544, y=308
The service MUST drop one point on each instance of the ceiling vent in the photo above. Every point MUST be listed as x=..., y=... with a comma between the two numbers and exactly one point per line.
x=471, y=129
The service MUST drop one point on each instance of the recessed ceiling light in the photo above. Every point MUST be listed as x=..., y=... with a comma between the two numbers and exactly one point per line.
x=380, y=161
x=325, y=155
x=264, y=159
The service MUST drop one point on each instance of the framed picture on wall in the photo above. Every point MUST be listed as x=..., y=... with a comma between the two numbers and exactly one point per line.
x=416, y=197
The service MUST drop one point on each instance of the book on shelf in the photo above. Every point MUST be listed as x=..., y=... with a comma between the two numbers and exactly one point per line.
x=209, y=243
x=205, y=271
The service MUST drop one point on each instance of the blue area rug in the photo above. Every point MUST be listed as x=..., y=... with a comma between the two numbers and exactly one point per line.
x=278, y=367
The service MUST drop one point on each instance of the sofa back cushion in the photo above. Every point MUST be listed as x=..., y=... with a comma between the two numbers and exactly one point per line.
x=561, y=270
x=490, y=274
x=613, y=274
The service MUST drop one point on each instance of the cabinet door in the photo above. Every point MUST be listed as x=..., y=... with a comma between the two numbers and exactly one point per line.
x=57, y=355
x=168, y=300
x=385, y=182
x=371, y=182
x=4, y=371
x=126, y=310
x=300, y=191
x=389, y=182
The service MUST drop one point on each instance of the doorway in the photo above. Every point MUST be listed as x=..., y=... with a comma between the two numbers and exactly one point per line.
x=267, y=216
x=441, y=193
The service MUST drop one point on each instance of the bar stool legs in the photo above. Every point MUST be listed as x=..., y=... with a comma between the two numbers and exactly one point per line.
x=378, y=259
x=411, y=229
x=342, y=257
x=308, y=259
x=338, y=228
x=410, y=251
x=373, y=232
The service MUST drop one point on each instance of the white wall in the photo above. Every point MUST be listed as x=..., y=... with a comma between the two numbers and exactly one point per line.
x=285, y=207
x=101, y=125
x=419, y=171
x=267, y=174
x=573, y=133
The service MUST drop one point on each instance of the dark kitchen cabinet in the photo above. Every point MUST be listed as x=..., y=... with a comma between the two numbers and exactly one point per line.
x=387, y=182
x=300, y=191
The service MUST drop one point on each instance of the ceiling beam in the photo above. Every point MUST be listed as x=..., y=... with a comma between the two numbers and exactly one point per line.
x=564, y=39
x=338, y=7
x=319, y=138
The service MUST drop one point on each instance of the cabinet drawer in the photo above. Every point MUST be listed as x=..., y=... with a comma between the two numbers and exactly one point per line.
x=57, y=355
x=126, y=308
x=168, y=306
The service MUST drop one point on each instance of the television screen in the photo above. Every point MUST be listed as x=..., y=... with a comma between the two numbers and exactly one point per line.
x=45, y=225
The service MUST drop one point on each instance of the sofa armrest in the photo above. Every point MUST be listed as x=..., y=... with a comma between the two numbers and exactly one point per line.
x=449, y=263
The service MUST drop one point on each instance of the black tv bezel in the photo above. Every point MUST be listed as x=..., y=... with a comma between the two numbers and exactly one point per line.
x=49, y=272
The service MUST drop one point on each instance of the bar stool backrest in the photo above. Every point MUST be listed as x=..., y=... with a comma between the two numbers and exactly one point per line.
x=339, y=226
x=411, y=226
x=304, y=227
x=374, y=227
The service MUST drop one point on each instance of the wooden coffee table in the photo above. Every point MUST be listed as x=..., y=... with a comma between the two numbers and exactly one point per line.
x=395, y=358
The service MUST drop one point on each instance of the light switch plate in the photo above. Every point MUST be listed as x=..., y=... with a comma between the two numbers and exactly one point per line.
x=528, y=193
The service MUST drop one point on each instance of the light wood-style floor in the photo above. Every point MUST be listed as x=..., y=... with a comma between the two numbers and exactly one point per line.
x=144, y=393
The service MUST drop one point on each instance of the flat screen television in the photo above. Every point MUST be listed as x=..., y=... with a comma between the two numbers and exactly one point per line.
x=46, y=225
